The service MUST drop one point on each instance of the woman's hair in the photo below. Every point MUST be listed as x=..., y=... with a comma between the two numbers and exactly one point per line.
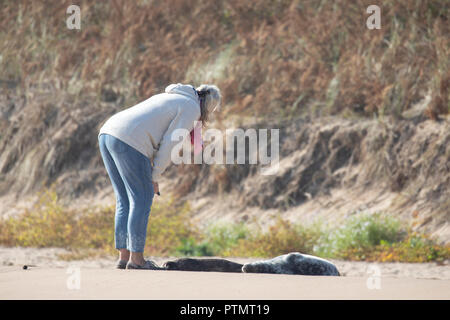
x=210, y=99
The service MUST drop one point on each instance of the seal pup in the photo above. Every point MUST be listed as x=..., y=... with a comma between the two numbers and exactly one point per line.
x=190, y=264
x=293, y=263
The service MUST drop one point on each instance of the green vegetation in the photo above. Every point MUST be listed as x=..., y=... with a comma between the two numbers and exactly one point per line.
x=379, y=238
x=49, y=224
x=216, y=240
x=91, y=233
x=363, y=233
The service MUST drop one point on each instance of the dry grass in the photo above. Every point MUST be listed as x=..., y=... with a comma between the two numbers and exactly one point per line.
x=271, y=58
x=267, y=56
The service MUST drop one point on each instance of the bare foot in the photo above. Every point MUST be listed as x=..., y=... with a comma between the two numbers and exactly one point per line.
x=138, y=258
x=124, y=254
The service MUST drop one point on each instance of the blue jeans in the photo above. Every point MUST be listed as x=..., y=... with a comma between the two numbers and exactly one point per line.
x=131, y=177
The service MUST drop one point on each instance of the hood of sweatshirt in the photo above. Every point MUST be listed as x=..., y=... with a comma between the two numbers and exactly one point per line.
x=183, y=89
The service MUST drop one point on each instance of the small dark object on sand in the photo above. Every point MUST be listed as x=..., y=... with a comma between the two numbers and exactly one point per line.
x=27, y=266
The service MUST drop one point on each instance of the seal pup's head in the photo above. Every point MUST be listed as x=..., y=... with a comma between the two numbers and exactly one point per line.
x=293, y=263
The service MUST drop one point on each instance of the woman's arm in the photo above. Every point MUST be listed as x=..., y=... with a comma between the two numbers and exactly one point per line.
x=184, y=119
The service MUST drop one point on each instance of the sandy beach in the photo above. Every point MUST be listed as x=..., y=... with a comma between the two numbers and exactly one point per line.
x=47, y=277
x=57, y=283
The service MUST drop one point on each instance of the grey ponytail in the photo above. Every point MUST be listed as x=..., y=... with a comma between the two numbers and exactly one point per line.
x=210, y=99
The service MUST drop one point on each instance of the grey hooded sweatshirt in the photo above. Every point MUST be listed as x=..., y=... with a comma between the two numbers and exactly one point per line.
x=148, y=126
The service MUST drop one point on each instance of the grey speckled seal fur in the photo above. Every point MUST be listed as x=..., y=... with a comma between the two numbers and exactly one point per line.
x=189, y=264
x=293, y=263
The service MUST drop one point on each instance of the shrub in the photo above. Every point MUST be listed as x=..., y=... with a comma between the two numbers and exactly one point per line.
x=169, y=225
x=45, y=224
x=281, y=238
x=217, y=239
x=90, y=233
x=50, y=224
x=360, y=232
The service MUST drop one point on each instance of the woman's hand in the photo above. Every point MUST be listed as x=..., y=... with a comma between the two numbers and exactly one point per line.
x=156, y=188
